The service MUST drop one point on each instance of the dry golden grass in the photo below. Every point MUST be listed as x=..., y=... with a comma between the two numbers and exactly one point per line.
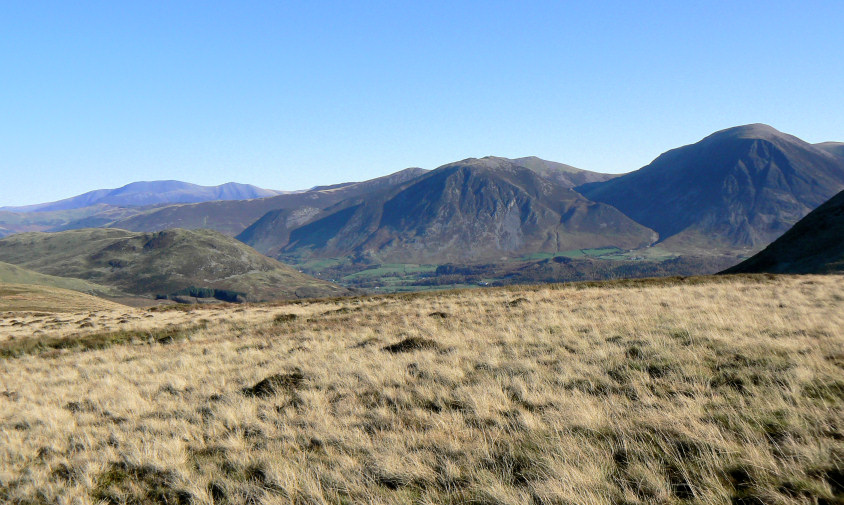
x=725, y=391
x=35, y=298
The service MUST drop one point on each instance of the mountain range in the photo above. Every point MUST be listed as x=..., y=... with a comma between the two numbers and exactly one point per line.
x=726, y=196
x=138, y=194
x=232, y=217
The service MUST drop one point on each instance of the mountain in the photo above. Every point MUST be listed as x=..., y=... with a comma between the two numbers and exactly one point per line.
x=739, y=188
x=139, y=194
x=814, y=245
x=271, y=233
x=472, y=210
x=836, y=148
x=232, y=217
x=163, y=263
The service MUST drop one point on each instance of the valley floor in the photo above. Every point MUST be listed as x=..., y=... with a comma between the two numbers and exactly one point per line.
x=700, y=390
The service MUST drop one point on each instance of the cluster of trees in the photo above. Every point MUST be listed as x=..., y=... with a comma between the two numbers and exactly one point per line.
x=224, y=295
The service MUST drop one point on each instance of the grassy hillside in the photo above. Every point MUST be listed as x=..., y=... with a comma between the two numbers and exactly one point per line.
x=163, y=263
x=700, y=391
x=13, y=274
x=35, y=298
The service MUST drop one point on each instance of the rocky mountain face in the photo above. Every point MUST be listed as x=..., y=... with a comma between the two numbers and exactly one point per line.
x=739, y=188
x=472, y=210
x=815, y=245
x=271, y=233
x=172, y=262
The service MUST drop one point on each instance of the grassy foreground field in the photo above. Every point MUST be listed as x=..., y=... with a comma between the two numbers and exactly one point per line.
x=720, y=390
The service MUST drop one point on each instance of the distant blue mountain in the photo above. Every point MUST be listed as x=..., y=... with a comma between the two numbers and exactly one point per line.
x=152, y=193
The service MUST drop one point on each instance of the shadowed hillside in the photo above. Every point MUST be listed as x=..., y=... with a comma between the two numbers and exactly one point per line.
x=271, y=233
x=561, y=173
x=814, y=245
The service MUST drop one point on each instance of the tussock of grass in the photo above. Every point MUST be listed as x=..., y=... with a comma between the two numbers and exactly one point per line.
x=411, y=344
x=719, y=392
x=95, y=341
x=276, y=383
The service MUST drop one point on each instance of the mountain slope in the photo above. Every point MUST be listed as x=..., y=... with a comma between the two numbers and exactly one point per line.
x=162, y=263
x=152, y=193
x=566, y=175
x=472, y=210
x=737, y=188
x=836, y=148
x=232, y=217
x=814, y=245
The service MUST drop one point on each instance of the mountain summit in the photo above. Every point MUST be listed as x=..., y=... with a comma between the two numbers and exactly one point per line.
x=738, y=188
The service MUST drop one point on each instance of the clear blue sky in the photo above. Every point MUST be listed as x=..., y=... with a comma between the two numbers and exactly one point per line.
x=288, y=95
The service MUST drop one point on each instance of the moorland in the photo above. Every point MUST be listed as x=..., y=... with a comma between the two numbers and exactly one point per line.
x=706, y=390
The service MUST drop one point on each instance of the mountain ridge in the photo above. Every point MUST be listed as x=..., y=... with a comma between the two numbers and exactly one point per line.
x=144, y=193
x=234, y=216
